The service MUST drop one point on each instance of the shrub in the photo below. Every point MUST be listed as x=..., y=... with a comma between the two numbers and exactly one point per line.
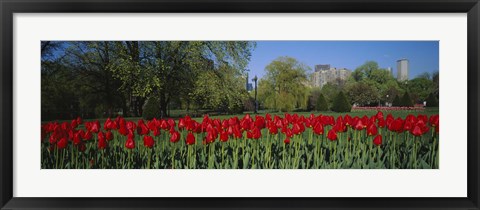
x=322, y=104
x=432, y=101
x=341, y=104
x=406, y=100
x=152, y=108
x=396, y=101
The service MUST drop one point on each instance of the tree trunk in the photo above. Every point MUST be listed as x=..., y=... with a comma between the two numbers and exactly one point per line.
x=163, y=104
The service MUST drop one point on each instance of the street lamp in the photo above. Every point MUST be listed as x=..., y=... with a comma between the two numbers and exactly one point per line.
x=256, y=103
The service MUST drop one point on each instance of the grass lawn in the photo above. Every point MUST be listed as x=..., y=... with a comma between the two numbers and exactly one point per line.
x=400, y=113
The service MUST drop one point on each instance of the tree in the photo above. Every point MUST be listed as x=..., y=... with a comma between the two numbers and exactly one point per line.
x=330, y=91
x=397, y=101
x=406, y=100
x=220, y=90
x=151, y=108
x=171, y=69
x=313, y=98
x=420, y=88
x=432, y=101
x=96, y=89
x=380, y=82
x=362, y=94
x=341, y=104
x=322, y=104
x=128, y=68
x=283, y=87
x=365, y=70
x=436, y=80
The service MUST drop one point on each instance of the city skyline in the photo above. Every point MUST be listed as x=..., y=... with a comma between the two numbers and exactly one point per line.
x=423, y=56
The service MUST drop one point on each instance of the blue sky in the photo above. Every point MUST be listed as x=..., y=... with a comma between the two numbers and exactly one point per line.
x=422, y=55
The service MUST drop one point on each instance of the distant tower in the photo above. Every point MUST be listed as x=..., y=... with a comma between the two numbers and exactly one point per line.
x=246, y=83
x=402, y=69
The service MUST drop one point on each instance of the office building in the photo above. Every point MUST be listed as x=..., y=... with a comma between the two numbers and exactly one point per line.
x=402, y=70
x=323, y=76
x=322, y=67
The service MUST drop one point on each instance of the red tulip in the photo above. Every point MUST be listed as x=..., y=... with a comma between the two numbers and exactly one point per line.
x=416, y=131
x=175, y=137
x=171, y=123
x=164, y=124
x=287, y=140
x=87, y=136
x=190, y=139
x=109, y=135
x=377, y=140
x=74, y=124
x=256, y=133
x=148, y=141
x=332, y=135
x=372, y=130
x=102, y=143
x=77, y=138
x=123, y=130
x=223, y=136
x=79, y=121
x=142, y=129
x=318, y=129
x=273, y=129
x=62, y=143
x=237, y=133
x=181, y=124
x=130, y=143
x=359, y=125
x=95, y=127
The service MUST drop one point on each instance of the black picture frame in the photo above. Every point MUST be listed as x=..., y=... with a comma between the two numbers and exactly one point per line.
x=9, y=7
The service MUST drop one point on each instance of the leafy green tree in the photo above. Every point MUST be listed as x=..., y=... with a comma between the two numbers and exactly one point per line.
x=128, y=68
x=420, y=88
x=284, y=85
x=151, y=108
x=312, y=98
x=362, y=94
x=341, y=104
x=365, y=70
x=220, y=90
x=432, y=101
x=330, y=91
x=322, y=104
x=380, y=82
x=96, y=89
x=406, y=100
x=436, y=86
x=397, y=101
x=171, y=69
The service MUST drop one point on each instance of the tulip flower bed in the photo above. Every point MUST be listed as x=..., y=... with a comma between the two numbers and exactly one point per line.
x=386, y=108
x=259, y=142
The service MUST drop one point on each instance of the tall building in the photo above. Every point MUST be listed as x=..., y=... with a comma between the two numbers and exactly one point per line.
x=402, y=69
x=322, y=67
x=248, y=86
x=322, y=76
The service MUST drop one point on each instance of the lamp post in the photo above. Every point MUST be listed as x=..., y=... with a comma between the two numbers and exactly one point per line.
x=256, y=103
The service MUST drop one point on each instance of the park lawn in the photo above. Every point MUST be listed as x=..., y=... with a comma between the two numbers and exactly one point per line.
x=359, y=113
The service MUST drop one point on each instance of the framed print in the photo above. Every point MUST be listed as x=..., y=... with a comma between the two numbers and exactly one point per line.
x=239, y=105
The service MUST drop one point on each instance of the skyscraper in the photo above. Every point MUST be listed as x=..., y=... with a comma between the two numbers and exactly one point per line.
x=402, y=69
